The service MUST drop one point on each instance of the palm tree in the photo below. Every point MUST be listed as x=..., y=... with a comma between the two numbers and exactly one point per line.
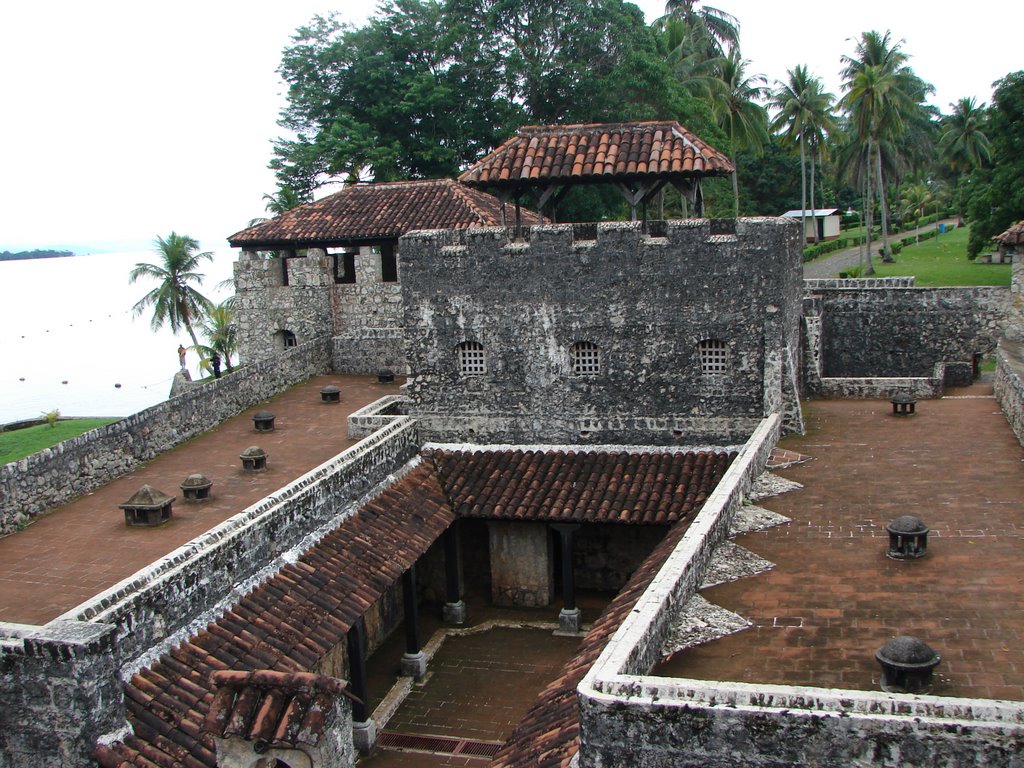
x=915, y=198
x=285, y=199
x=804, y=116
x=964, y=146
x=218, y=326
x=738, y=112
x=174, y=301
x=720, y=30
x=884, y=100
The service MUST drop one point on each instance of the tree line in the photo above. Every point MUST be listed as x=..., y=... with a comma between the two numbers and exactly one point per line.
x=426, y=87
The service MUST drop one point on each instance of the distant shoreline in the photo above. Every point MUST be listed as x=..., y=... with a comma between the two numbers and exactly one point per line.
x=36, y=254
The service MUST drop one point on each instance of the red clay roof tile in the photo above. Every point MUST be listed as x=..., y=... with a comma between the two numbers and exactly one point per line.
x=374, y=212
x=578, y=153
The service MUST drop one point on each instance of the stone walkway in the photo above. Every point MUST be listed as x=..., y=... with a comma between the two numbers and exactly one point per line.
x=72, y=554
x=833, y=597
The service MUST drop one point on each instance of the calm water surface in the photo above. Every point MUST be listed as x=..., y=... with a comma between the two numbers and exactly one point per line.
x=70, y=320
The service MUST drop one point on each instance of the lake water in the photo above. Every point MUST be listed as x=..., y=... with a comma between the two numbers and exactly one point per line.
x=67, y=336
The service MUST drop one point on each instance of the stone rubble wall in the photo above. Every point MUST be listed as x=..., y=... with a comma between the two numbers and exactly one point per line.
x=60, y=684
x=59, y=691
x=364, y=317
x=57, y=475
x=265, y=306
x=1009, y=385
x=628, y=717
x=891, y=332
x=645, y=301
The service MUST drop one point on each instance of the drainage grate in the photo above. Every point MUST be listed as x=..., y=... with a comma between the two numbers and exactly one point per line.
x=438, y=744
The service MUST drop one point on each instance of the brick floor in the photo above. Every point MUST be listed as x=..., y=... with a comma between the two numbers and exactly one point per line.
x=78, y=550
x=834, y=597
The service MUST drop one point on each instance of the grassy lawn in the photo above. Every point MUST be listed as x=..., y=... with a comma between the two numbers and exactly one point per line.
x=19, y=443
x=943, y=261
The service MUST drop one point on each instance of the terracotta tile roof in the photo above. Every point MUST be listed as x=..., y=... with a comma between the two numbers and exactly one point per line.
x=278, y=709
x=373, y=212
x=286, y=625
x=543, y=154
x=1013, y=236
x=579, y=486
x=549, y=734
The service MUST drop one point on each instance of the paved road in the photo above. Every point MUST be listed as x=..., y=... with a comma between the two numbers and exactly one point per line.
x=834, y=263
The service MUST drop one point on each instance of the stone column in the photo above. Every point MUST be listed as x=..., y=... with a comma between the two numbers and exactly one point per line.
x=454, y=606
x=364, y=730
x=569, y=616
x=414, y=663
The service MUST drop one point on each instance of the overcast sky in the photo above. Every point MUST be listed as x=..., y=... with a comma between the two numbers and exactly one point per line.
x=124, y=120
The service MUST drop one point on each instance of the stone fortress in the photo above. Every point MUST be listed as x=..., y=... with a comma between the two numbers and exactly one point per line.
x=612, y=388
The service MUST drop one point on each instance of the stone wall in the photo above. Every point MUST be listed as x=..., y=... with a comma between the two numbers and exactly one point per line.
x=521, y=566
x=70, y=469
x=646, y=302
x=265, y=306
x=605, y=556
x=109, y=635
x=630, y=718
x=1009, y=385
x=59, y=691
x=892, y=332
x=363, y=316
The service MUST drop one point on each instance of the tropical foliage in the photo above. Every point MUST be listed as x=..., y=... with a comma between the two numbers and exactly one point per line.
x=176, y=300
x=218, y=326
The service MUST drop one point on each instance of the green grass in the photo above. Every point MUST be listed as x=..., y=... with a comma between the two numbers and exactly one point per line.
x=19, y=443
x=942, y=261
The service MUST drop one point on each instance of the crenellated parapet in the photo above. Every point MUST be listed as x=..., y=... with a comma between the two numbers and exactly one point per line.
x=602, y=332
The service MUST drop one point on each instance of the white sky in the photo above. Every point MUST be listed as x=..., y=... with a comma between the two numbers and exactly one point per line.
x=124, y=120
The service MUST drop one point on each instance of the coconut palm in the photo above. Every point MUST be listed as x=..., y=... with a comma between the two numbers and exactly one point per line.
x=218, y=326
x=963, y=144
x=738, y=111
x=884, y=101
x=915, y=198
x=803, y=117
x=720, y=30
x=175, y=300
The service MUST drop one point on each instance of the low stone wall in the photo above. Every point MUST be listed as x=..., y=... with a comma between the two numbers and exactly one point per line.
x=819, y=284
x=628, y=717
x=60, y=683
x=75, y=467
x=1009, y=385
x=900, y=332
x=376, y=415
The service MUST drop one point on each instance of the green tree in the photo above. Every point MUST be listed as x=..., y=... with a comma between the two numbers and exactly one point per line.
x=963, y=144
x=914, y=200
x=719, y=31
x=884, y=101
x=996, y=197
x=739, y=112
x=803, y=116
x=218, y=326
x=175, y=300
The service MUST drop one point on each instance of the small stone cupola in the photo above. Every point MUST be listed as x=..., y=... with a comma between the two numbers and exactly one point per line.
x=301, y=719
x=907, y=665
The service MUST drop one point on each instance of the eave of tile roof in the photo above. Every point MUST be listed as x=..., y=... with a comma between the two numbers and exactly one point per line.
x=367, y=213
x=287, y=624
x=646, y=488
x=276, y=709
x=1012, y=236
x=597, y=152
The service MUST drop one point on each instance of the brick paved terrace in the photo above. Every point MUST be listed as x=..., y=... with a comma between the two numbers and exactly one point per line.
x=834, y=597
x=83, y=548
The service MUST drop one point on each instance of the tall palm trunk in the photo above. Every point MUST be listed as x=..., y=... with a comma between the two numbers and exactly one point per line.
x=803, y=191
x=869, y=214
x=813, y=206
x=736, y=192
x=883, y=209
